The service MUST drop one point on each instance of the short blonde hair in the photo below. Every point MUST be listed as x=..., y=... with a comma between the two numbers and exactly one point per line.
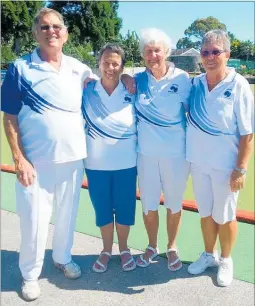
x=152, y=36
x=46, y=11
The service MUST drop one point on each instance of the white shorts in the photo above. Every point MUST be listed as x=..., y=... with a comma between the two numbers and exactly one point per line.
x=213, y=195
x=167, y=174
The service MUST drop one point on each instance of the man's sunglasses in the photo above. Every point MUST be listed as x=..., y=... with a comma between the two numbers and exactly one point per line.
x=213, y=52
x=55, y=27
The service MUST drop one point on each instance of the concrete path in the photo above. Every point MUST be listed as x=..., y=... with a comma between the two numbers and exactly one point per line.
x=155, y=285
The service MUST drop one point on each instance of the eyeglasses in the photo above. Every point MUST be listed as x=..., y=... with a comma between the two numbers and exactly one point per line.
x=213, y=52
x=55, y=27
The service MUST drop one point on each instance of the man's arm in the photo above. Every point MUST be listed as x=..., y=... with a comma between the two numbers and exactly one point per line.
x=129, y=82
x=237, y=179
x=24, y=169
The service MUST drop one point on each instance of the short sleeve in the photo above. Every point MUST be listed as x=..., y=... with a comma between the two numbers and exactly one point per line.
x=11, y=102
x=186, y=89
x=244, y=109
x=87, y=73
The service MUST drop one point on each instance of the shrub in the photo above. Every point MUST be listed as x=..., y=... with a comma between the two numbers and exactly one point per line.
x=81, y=52
x=7, y=55
x=246, y=71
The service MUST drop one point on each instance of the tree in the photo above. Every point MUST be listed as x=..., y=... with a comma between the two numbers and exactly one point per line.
x=185, y=42
x=246, y=50
x=235, y=48
x=130, y=44
x=195, y=32
x=17, y=20
x=231, y=36
x=83, y=53
x=95, y=22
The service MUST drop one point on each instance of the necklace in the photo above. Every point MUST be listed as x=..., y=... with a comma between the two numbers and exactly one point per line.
x=217, y=81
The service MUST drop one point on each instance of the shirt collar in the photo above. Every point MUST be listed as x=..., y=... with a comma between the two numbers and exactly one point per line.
x=99, y=87
x=170, y=71
x=37, y=61
x=228, y=79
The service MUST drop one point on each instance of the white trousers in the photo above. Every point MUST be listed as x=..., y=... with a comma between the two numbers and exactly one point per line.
x=54, y=183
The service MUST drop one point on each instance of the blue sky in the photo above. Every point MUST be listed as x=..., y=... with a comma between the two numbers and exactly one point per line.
x=175, y=17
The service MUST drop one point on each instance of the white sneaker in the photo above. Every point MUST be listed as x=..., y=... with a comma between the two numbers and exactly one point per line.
x=30, y=290
x=225, y=272
x=205, y=261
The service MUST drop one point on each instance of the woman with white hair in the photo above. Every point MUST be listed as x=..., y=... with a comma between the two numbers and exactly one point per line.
x=219, y=144
x=163, y=92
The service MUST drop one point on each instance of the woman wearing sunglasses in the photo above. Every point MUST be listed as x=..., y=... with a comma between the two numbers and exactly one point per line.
x=219, y=143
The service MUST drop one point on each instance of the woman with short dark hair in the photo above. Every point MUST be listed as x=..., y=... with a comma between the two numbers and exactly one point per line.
x=111, y=163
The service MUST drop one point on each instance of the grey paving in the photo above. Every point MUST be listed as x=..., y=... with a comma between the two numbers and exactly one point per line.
x=154, y=285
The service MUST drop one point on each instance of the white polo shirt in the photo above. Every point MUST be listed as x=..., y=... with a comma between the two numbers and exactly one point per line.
x=161, y=107
x=48, y=105
x=110, y=128
x=217, y=119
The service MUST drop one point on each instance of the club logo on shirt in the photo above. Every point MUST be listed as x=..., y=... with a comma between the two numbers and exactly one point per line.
x=144, y=99
x=127, y=99
x=75, y=72
x=227, y=94
x=173, y=88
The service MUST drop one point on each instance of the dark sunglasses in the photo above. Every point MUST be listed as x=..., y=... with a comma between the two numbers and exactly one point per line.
x=213, y=52
x=55, y=27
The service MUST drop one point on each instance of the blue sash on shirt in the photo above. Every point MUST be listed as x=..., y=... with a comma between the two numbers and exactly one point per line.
x=97, y=118
x=198, y=115
x=146, y=109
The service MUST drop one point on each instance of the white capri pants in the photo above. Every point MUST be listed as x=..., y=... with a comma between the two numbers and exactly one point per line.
x=213, y=194
x=54, y=183
x=167, y=174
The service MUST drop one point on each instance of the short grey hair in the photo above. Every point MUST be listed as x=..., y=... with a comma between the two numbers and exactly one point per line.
x=218, y=36
x=46, y=11
x=152, y=36
x=114, y=48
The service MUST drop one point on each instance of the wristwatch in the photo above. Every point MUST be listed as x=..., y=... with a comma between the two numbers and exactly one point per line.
x=241, y=170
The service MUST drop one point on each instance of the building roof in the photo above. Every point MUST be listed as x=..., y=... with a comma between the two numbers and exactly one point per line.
x=185, y=51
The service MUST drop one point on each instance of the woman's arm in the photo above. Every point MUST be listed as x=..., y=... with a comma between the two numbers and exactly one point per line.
x=237, y=179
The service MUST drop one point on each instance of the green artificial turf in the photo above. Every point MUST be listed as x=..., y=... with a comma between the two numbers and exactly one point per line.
x=190, y=242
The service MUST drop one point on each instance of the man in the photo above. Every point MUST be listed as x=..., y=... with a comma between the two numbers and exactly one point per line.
x=41, y=99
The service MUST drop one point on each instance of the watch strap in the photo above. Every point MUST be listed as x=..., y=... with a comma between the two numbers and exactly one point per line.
x=241, y=170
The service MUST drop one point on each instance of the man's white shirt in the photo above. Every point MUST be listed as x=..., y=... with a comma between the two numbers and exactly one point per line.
x=110, y=128
x=217, y=119
x=48, y=105
x=161, y=107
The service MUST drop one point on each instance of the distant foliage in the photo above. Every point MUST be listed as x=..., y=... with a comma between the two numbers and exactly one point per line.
x=195, y=32
x=130, y=44
x=94, y=22
x=83, y=53
x=247, y=71
x=7, y=55
x=16, y=22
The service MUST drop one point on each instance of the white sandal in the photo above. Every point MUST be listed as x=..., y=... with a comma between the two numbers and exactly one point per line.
x=144, y=262
x=104, y=267
x=131, y=260
x=170, y=265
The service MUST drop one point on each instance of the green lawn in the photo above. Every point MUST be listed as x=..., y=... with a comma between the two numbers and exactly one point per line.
x=246, y=198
